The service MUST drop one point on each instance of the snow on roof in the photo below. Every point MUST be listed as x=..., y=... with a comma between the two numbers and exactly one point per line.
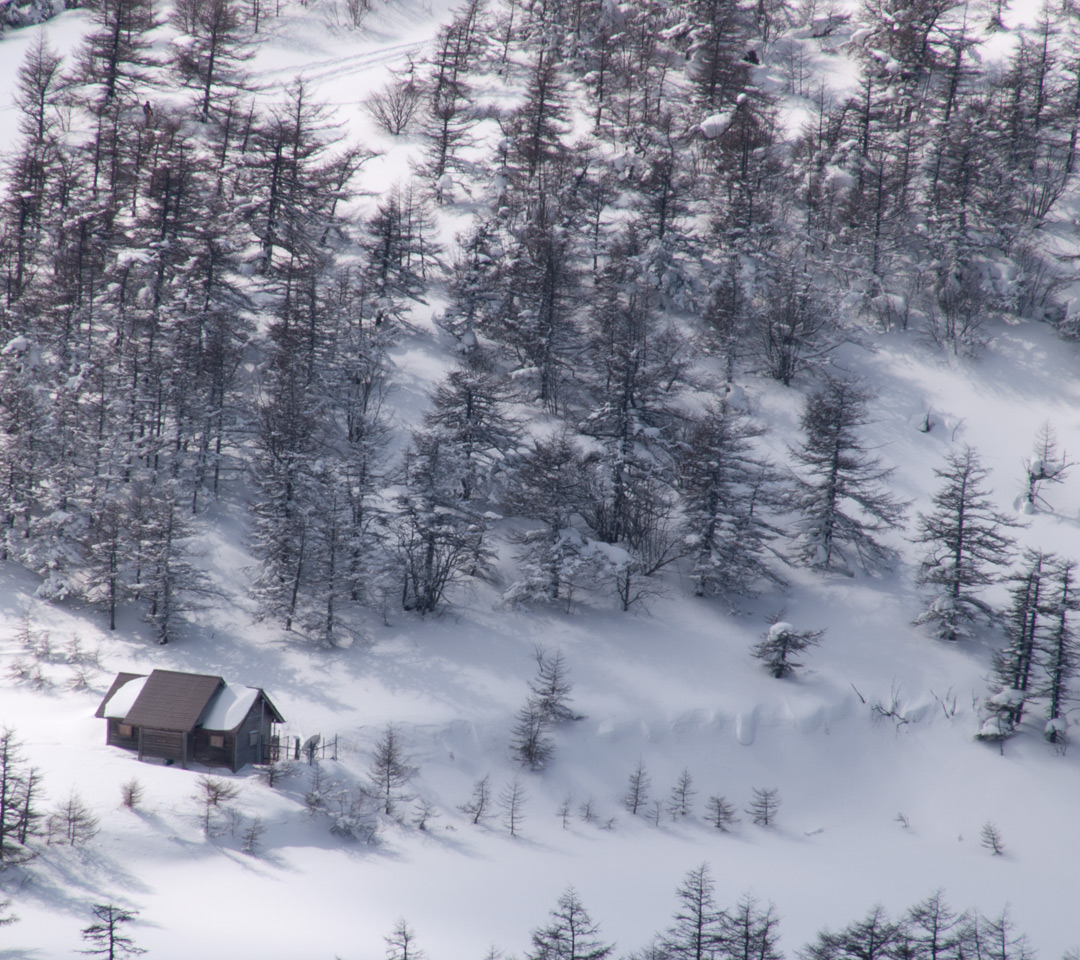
x=228, y=708
x=121, y=702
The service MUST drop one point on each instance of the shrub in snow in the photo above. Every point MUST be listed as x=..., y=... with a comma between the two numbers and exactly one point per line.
x=764, y=806
x=719, y=813
x=211, y=794
x=681, y=798
x=780, y=646
x=478, y=807
x=426, y=812
x=71, y=821
x=252, y=836
x=1045, y=465
x=637, y=789
x=990, y=838
x=512, y=800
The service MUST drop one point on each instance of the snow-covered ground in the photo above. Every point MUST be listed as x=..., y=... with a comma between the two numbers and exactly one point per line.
x=673, y=687
x=884, y=790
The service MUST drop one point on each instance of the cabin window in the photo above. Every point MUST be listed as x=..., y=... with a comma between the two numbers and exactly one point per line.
x=124, y=729
x=253, y=738
x=217, y=740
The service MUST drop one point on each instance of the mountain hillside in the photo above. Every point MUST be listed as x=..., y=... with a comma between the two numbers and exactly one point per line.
x=646, y=427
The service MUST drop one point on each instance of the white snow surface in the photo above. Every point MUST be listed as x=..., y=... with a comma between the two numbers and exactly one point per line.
x=228, y=708
x=875, y=810
x=121, y=702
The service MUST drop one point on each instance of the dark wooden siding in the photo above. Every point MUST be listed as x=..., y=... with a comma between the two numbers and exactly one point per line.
x=213, y=756
x=163, y=744
x=114, y=739
x=257, y=721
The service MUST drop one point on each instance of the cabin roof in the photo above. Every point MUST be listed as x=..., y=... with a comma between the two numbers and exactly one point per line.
x=170, y=700
x=120, y=680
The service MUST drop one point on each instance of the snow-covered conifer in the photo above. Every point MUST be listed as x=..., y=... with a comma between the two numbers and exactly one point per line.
x=781, y=644
x=966, y=541
x=727, y=489
x=1015, y=664
x=842, y=498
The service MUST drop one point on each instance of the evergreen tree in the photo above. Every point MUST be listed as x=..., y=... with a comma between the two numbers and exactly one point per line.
x=512, y=800
x=477, y=436
x=401, y=250
x=530, y=744
x=681, y=798
x=1060, y=650
x=719, y=813
x=571, y=933
x=726, y=489
x=550, y=689
x=966, y=539
x=696, y=931
x=106, y=937
x=210, y=59
x=841, y=475
x=764, y=805
x=750, y=932
x=34, y=173
x=390, y=770
x=933, y=928
x=437, y=540
x=19, y=794
x=447, y=123
x=637, y=789
x=479, y=806
x=401, y=943
x=541, y=119
x=793, y=328
x=1045, y=465
x=535, y=316
x=117, y=54
x=1014, y=665
x=875, y=937
x=548, y=486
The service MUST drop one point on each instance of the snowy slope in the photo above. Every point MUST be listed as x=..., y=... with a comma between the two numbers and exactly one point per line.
x=876, y=808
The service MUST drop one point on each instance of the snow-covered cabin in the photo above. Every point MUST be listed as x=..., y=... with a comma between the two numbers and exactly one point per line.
x=189, y=717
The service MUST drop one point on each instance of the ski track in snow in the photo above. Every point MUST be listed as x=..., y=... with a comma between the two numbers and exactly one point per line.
x=339, y=68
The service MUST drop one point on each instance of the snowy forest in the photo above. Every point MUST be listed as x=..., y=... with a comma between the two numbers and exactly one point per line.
x=572, y=312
